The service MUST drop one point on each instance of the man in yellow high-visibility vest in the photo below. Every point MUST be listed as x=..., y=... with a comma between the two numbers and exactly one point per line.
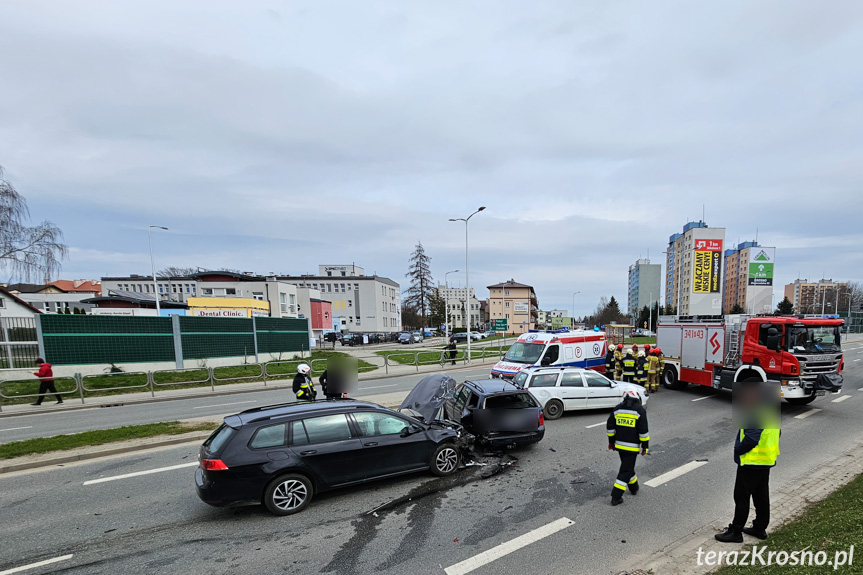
x=755, y=452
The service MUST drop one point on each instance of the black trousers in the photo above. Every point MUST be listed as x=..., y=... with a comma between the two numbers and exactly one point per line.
x=753, y=482
x=628, y=378
x=626, y=474
x=45, y=386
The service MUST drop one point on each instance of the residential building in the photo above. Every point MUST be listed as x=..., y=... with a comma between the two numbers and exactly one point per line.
x=11, y=305
x=748, y=279
x=557, y=313
x=454, y=299
x=59, y=296
x=122, y=302
x=817, y=297
x=281, y=295
x=542, y=319
x=694, y=262
x=645, y=283
x=360, y=303
x=483, y=313
x=514, y=302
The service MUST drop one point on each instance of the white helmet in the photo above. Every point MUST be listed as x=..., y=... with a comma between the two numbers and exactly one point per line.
x=631, y=393
x=641, y=353
x=304, y=369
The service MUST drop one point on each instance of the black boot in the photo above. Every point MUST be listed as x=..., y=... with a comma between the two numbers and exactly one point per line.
x=731, y=535
x=756, y=532
x=633, y=488
x=616, y=501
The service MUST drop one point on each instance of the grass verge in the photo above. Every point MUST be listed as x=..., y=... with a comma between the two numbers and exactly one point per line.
x=97, y=437
x=832, y=525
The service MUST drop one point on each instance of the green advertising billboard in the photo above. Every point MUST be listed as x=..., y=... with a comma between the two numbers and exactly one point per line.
x=761, y=266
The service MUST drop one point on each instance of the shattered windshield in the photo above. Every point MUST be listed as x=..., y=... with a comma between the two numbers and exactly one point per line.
x=524, y=352
x=814, y=339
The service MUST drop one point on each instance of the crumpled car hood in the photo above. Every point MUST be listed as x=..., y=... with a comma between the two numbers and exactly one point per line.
x=429, y=396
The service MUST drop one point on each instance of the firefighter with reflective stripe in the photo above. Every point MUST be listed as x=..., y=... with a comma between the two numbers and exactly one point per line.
x=304, y=387
x=641, y=370
x=610, y=361
x=618, y=361
x=756, y=450
x=628, y=367
x=628, y=435
x=652, y=375
x=660, y=366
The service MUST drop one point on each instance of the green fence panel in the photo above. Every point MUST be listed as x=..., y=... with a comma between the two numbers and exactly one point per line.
x=282, y=335
x=87, y=339
x=205, y=337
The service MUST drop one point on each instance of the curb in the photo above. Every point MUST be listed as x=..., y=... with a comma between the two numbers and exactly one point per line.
x=117, y=400
x=96, y=454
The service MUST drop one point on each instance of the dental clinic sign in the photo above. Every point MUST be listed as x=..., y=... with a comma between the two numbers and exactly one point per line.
x=222, y=313
x=761, y=266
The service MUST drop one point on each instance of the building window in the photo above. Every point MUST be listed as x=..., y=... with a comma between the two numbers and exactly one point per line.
x=230, y=291
x=207, y=291
x=259, y=295
x=174, y=288
x=330, y=273
x=283, y=302
x=507, y=304
x=356, y=287
x=344, y=274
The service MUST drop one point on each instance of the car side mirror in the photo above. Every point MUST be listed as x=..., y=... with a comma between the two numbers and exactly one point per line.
x=773, y=342
x=545, y=361
x=409, y=430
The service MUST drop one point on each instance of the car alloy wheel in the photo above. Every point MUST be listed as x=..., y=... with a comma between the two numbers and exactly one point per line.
x=446, y=459
x=288, y=494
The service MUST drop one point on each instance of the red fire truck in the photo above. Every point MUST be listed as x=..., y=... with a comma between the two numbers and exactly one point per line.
x=801, y=353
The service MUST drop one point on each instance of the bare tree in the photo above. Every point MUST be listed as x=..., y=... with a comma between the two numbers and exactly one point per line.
x=177, y=271
x=27, y=252
x=855, y=292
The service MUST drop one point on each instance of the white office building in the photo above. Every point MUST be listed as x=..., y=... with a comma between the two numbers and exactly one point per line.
x=456, y=299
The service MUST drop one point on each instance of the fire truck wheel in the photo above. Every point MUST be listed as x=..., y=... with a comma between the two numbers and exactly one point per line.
x=670, y=381
x=800, y=400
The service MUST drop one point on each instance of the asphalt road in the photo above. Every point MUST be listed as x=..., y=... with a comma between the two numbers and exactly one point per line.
x=54, y=423
x=155, y=522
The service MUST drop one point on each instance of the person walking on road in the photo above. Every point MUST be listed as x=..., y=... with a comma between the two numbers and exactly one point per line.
x=756, y=450
x=304, y=387
x=629, y=367
x=46, y=381
x=451, y=347
x=628, y=435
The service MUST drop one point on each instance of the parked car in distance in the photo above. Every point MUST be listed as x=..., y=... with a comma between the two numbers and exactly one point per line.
x=282, y=455
x=560, y=389
x=497, y=412
x=475, y=336
x=352, y=339
x=417, y=336
x=405, y=338
x=488, y=334
x=459, y=337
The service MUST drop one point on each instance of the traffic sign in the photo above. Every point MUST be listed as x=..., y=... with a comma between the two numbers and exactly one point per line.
x=499, y=325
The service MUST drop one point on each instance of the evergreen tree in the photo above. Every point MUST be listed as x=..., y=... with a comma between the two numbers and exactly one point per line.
x=437, y=309
x=421, y=283
x=737, y=309
x=785, y=307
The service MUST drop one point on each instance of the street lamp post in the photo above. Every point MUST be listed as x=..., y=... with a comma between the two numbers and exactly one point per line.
x=446, y=306
x=467, y=270
x=153, y=266
x=572, y=319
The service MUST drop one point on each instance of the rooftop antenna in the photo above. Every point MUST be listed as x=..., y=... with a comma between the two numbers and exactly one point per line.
x=756, y=236
x=702, y=213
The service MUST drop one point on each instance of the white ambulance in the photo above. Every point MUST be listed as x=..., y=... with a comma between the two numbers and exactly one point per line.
x=562, y=347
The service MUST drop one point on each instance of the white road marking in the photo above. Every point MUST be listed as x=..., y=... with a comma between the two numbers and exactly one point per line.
x=16, y=428
x=856, y=360
x=224, y=404
x=595, y=425
x=675, y=473
x=138, y=473
x=377, y=386
x=37, y=564
x=806, y=414
x=705, y=397
x=841, y=398
x=508, y=547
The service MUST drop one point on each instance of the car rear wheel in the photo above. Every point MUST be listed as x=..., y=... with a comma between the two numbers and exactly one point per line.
x=445, y=460
x=288, y=494
x=553, y=409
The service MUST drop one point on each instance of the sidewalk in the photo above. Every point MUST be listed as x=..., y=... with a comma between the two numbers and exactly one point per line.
x=786, y=503
x=73, y=402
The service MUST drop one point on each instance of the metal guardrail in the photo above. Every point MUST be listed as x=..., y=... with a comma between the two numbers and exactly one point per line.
x=260, y=371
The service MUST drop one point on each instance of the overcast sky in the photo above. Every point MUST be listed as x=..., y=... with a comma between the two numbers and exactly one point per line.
x=273, y=136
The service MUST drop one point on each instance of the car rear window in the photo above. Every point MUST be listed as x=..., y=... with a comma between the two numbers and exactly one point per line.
x=270, y=436
x=219, y=438
x=327, y=428
x=519, y=400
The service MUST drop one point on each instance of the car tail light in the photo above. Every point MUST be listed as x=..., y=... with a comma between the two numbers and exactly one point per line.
x=541, y=418
x=213, y=465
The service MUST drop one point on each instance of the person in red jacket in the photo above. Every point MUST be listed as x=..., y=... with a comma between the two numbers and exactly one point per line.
x=46, y=381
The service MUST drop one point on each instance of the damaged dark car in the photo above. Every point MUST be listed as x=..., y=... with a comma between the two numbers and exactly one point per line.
x=496, y=412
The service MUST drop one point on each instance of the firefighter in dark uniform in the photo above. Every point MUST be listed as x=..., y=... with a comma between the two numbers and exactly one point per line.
x=610, y=362
x=304, y=387
x=618, y=361
x=629, y=368
x=641, y=370
x=628, y=435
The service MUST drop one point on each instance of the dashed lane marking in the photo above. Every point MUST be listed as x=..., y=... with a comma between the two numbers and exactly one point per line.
x=16, y=428
x=224, y=404
x=595, y=425
x=841, y=398
x=675, y=473
x=508, y=547
x=139, y=473
x=806, y=414
x=705, y=397
x=37, y=564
